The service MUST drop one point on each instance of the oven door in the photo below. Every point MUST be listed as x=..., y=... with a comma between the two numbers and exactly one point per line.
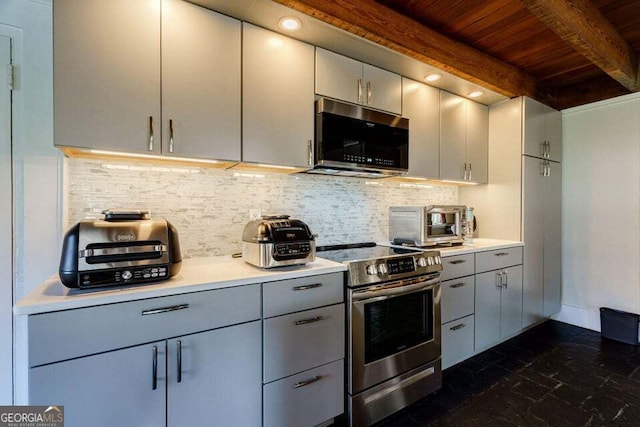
x=394, y=327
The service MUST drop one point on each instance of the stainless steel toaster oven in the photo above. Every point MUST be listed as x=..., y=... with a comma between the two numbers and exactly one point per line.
x=426, y=225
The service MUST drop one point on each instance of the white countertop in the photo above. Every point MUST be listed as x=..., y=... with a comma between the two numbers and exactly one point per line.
x=197, y=274
x=479, y=245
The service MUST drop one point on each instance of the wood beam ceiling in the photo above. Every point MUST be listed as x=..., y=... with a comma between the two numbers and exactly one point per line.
x=384, y=26
x=581, y=25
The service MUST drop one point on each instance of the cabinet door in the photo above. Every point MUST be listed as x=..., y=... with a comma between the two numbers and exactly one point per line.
x=534, y=127
x=533, y=232
x=339, y=77
x=200, y=82
x=278, y=99
x=553, y=133
x=107, y=74
x=487, y=310
x=452, y=136
x=382, y=89
x=108, y=389
x=221, y=378
x=552, y=240
x=421, y=104
x=457, y=341
x=511, y=303
x=477, y=141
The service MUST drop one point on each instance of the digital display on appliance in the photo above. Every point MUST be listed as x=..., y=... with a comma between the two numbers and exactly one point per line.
x=401, y=265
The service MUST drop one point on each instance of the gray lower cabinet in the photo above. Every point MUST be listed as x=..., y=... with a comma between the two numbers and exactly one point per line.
x=457, y=341
x=457, y=308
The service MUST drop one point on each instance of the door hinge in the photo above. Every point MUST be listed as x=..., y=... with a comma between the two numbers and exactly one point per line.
x=10, y=76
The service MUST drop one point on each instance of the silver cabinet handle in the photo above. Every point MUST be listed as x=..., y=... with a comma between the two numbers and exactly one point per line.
x=179, y=356
x=543, y=148
x=154, y=368
x=307, y=321
x=543, y=167
x=501, y=254
x=498, y=279
x=150, y=133
x=369, y=91
x=548, y=149
x=458, y=326
x=309, y=381
x=310, y=152
x=360, y=91
x=464, y=175
x=506, y=279
x=457, y=285
x=548, y=169
x=458, y=261
x=306, y=287
x=470, y=171
x=165, y=309
x=171, y=135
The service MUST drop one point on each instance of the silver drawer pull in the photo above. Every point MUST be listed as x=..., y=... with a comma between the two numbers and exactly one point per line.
x=501, y=254
x=307, y=382
x=458, y=326
x=307, y=321
x=458, y=261
x=305, y=287
x=457, y=285
x=165, y=309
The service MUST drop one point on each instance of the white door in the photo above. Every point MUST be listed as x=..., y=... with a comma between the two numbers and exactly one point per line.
x=453, y=136
x=6, y=282
x=552, y=240
x=382, y=89
x=339, y=77
x=421, y=105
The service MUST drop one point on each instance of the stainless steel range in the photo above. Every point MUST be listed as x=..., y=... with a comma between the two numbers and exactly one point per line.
x=393, y=327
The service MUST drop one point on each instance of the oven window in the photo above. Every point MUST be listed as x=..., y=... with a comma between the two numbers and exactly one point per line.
x=441, y=224
x=395, y=324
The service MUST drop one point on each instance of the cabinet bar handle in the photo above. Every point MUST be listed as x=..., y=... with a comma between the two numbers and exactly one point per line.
x=470, y=171
x=369, y=91
x=458, y=326
x=165, y=309
x=305, y=287
x=179, y=345
x=154, y=368
x=458, y=261
x=501, y=254
x=150, y=133
x=457, y=285
x=307, y=321
x=310, y=152
x=464, y=175
x=307, y=382
x=498, y=279
x=506, y=279
x=360, y=91
x=171, y=135
x=548, y=169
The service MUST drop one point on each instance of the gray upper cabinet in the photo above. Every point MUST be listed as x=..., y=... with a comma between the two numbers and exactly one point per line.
x=464, y=137
x=349, y=80
x=542, y=131
x=277, y=99
x=201, y=53
x=107, y=74
x=112, y=97
x=421, y=104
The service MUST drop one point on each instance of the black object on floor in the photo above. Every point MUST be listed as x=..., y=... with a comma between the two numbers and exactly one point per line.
x=619, y=325
x=552, y=375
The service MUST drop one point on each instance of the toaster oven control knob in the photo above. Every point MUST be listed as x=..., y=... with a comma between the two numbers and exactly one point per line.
x=422, y=262
x=431, y=260
x=126, y=275
x=372, y=269
x=382, y=268
x=438, y=260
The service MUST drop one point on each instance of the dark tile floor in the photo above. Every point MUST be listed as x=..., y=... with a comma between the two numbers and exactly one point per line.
x=552, y=375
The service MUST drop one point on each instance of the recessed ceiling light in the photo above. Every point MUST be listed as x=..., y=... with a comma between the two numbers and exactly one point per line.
x=475, y=93
x=433, y=77
x=289, y=23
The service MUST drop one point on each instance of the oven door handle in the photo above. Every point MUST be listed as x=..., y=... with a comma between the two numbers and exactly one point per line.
x=364, y=297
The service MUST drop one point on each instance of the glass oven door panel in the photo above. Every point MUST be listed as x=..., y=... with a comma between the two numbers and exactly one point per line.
x=396, y=324
x=441, y=224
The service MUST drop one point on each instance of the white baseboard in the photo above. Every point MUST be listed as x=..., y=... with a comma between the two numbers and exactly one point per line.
x=578, y=316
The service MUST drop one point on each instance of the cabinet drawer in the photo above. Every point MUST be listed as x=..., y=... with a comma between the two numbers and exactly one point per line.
x=289, y=402
x=457, y=266
x=457, y=340
x=457, y=298
x=300, y=341
x=72, y=333
x=288, y=296
x=500, y=258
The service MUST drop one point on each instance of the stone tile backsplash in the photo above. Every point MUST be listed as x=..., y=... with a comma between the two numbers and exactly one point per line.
x=209, y=207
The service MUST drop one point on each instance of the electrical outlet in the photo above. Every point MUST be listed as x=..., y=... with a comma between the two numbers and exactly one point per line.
x=255, y=214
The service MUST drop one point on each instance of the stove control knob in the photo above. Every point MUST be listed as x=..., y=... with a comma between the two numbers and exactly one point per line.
x=430, y=260
x=372, y=269
x=422, y=262
x=382, y=268
x=438, y=260
x=126, y=275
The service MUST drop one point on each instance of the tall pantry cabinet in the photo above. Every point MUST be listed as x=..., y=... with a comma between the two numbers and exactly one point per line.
x=523, y=198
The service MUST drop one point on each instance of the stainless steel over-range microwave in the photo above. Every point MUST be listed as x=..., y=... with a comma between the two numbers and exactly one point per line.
x=356, y=141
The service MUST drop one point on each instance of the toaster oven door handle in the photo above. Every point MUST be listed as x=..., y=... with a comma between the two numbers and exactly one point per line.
x=165, y=309
x=85, y=253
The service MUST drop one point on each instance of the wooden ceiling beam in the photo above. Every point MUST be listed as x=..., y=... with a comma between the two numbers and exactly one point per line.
x=589, y=91
x=384, y=26
x=581, y=25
